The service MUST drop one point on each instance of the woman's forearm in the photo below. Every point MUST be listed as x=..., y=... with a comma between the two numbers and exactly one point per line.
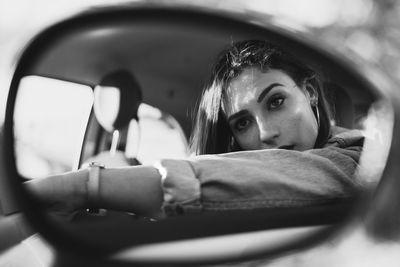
x=134, y=189
x=130, y=189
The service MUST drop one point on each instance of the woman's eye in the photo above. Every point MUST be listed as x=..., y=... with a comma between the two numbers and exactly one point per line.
x=242, y=124
x=275, y=102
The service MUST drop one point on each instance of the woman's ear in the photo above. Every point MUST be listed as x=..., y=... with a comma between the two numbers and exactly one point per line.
x=311, y=94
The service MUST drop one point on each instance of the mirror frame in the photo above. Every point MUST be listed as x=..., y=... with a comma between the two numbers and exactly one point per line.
x=190, y=226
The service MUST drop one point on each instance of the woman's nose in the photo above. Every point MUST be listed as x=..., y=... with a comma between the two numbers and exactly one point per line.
x=268, y=134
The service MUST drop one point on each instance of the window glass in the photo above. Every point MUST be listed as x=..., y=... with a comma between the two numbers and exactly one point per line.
x=49, y=125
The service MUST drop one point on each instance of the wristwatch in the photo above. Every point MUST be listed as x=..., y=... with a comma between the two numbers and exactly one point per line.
x=93, y=183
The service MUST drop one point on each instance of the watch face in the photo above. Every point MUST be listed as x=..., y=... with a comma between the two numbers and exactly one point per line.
x=96, y=164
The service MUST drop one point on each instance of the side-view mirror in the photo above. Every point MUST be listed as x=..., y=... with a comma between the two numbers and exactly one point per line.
x=170, y=53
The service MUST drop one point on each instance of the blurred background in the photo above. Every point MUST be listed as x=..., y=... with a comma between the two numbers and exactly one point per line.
x=365, y=28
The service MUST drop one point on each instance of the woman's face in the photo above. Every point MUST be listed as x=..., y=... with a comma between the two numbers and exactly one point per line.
x=268, y=110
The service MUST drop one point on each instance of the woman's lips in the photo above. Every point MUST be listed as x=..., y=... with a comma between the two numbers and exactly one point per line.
x=287, y=147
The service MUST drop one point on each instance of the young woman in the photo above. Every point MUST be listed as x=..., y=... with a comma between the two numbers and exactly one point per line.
x=262, y=138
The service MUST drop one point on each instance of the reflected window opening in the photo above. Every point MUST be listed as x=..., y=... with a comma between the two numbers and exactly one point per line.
x=50, y=122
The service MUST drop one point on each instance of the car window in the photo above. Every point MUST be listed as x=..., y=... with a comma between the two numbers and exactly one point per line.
x=50, y=122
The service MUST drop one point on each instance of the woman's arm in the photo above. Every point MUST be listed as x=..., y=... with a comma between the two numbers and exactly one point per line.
x=260, y=179
x=234, y=181
x=240, y=180
x=135, y=189
x=132, y=189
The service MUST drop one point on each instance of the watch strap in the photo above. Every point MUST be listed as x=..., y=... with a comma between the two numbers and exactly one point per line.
x=93, y=183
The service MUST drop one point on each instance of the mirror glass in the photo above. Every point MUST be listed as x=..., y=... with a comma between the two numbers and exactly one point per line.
x=59, y=125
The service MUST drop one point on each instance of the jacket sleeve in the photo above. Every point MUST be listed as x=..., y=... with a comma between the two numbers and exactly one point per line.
x=259, y=179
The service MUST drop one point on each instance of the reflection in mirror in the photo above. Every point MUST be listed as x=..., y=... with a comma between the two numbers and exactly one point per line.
x=286, y=95
x=49, y=125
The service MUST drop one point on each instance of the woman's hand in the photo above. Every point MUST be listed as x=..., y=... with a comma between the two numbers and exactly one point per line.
x=62, y=194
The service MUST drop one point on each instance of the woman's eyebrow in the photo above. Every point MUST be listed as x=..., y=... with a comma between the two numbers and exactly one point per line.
x=237, y=115
x=266, y=90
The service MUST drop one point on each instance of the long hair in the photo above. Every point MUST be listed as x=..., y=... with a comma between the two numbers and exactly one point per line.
x=211, y=133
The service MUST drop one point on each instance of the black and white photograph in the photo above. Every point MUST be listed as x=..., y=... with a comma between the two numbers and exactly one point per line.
x=199, y=133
